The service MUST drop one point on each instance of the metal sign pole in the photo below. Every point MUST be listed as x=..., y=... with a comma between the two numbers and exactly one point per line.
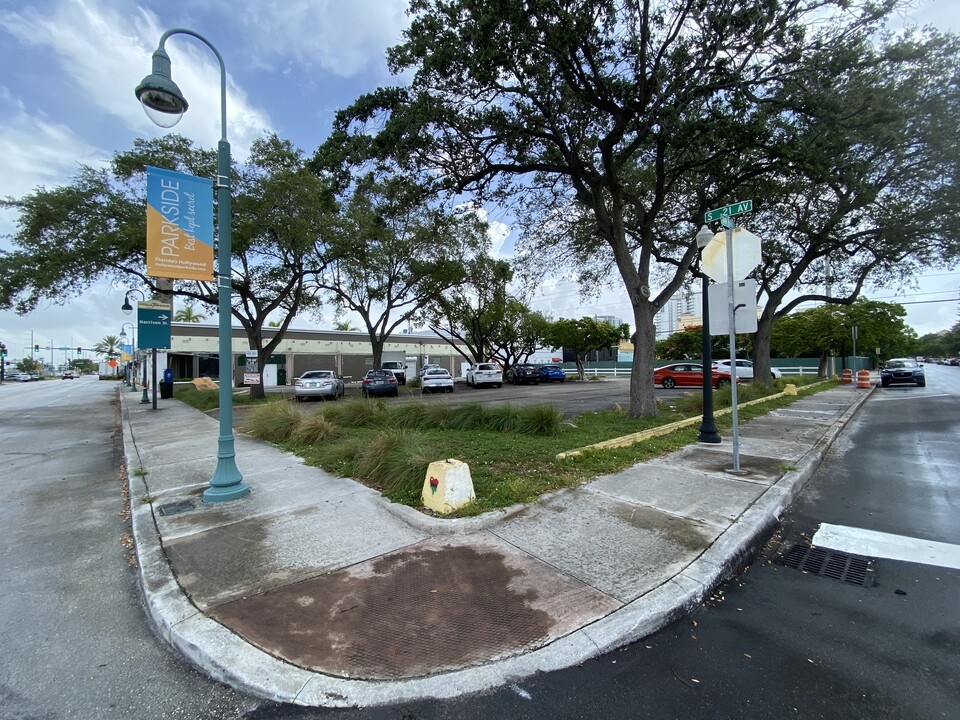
x=731, y=312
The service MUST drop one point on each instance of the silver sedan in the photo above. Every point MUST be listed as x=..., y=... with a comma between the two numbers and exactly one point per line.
x=322, y=384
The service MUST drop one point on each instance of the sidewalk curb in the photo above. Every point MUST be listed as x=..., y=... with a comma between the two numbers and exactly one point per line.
x=228, y=658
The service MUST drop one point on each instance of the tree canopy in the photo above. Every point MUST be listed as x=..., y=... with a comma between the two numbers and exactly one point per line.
x=607, y=107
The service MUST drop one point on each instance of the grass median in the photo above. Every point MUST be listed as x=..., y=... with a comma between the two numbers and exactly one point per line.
x=511, y=450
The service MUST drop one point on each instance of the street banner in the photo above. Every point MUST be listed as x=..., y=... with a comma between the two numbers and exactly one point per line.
x=179, y=225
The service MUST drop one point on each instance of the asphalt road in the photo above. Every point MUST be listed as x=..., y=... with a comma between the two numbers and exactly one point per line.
x=75, y=639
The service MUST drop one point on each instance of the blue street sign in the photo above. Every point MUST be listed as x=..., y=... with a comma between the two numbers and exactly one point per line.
x=153, y=325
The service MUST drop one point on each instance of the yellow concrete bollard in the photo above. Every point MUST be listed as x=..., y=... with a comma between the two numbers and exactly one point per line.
x=790, y=389
x=447, y=486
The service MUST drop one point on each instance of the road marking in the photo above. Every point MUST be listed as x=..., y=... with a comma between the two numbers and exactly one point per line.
x=921, y=396
x=884, y=545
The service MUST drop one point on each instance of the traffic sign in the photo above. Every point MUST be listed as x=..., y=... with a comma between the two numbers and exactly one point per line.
x=746, y=255
x=153, y=325
x=737, y=208
x=744, y=307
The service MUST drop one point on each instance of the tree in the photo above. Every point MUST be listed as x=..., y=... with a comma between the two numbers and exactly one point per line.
x=688, y=345
x=868, y=188
x=108, y=347
x=94, y=229
x=605, y=106
x=188, y=314
x=827, y=329
x=584, y=336
x=393, y=256
x=519, y=334
x=471, y=313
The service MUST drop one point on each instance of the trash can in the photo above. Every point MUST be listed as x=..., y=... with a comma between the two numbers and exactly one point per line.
x=281, y=376
x=166, y=385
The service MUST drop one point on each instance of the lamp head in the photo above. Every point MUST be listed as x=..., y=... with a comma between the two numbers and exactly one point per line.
x=161, y=98
x=123, y=334
x=704, y=237
x=126, y=308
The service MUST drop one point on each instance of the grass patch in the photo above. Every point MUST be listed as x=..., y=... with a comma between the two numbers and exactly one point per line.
x=210, y=399
x=511, y=450
x=276, y=421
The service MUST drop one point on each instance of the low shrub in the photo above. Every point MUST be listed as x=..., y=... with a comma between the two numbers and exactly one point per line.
x=540, y=420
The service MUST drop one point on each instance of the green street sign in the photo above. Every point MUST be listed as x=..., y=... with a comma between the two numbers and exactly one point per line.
x=153, y=325
x=737, y=208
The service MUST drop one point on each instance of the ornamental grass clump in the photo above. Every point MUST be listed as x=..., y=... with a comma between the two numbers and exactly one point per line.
x=501, y=418
x=539, y=420
x=394, y=462
x=275, y=421
x=314, y=428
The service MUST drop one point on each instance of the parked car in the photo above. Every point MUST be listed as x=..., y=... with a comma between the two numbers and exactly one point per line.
x=69, y=375
x=688, y=375
x=398, y=369
x=428, y=366
x=902, y=370
x=19, y=376
x=551, y=373
x=484, y=374
x=380, y=382
x=436, y=379
x=744, y=368
x=322, y=384
x=523, y=373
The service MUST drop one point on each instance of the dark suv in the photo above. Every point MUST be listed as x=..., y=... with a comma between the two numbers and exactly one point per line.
x=397, y=368
x=902, y=370
x=523, y=373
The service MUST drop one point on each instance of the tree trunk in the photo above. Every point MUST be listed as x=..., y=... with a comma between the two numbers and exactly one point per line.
x=761, y=350
x=643, y=401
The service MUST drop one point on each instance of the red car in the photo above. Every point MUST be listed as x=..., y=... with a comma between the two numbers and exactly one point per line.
x=688, y=375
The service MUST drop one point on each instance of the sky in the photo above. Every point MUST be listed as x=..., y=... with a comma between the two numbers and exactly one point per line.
x=66, y=100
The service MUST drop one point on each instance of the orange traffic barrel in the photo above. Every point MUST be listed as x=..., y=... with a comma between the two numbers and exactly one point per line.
x=846, y=377
x=863, y=378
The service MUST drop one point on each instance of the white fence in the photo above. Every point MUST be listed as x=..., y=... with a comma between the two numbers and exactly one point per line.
x=625, y=372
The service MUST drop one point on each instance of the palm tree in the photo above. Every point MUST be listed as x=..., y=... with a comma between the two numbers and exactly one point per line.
x=188, y=314
x=108, y=346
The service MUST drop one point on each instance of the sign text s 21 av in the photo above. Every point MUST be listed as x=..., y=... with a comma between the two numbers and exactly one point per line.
x=737, y=208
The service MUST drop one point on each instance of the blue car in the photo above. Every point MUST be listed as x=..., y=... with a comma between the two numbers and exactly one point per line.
x=551, y=373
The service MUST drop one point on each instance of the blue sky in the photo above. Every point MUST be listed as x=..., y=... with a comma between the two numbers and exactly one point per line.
x=66, y=98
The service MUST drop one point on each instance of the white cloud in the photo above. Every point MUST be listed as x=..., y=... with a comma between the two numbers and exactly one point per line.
x=106, y=52
x=341, y=38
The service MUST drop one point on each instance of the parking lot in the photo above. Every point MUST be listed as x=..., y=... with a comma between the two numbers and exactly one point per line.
x=574, y=397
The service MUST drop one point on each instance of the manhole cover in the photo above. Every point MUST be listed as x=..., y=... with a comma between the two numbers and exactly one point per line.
x=176, y=508
x=850, y=569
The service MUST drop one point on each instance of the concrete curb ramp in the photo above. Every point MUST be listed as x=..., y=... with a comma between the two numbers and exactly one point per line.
x=165, y=455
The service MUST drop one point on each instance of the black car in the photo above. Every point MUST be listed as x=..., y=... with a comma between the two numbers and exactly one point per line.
x=379, y=382
x=902, y=370
x=523, y=373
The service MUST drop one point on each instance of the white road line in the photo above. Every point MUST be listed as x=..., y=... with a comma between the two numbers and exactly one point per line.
x=884, y=545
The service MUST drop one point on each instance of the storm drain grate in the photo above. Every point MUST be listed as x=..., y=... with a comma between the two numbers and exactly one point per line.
x=829, y=563
x=175, y=508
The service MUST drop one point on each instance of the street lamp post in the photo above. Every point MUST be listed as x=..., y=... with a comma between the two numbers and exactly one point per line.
x=165, y=104
x=126, y=309
x=708, y=427
x=131, y=370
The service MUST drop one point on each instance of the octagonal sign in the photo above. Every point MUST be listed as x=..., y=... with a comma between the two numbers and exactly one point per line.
x=746, y=255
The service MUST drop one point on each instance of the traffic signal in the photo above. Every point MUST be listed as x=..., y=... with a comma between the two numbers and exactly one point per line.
x=36, y=348
x=79, y=350
x=3, y=350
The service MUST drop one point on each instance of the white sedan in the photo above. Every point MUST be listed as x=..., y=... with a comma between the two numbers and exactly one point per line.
x=744, y=368
x=436, y=380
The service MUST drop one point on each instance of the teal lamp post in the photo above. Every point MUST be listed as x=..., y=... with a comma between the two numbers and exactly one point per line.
x=131, y=371
x=164, y=104
x=126, y=309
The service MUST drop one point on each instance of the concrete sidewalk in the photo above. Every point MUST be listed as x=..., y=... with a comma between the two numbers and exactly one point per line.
x=315, y=590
